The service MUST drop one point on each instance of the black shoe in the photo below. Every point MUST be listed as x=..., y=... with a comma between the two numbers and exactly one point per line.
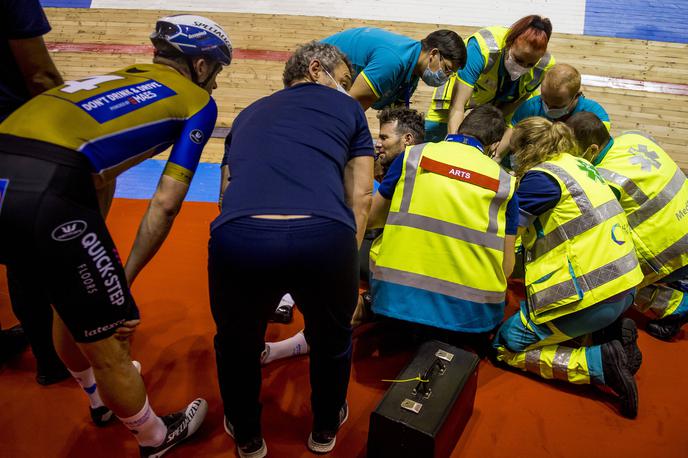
x=180, y=425
x=618, y=377
x=324, y=441
x=53, y=375
x=666, y=328
x=12, y=342
x=283, y=314
x=625, y=331
x=101, y=416
x=255, y=448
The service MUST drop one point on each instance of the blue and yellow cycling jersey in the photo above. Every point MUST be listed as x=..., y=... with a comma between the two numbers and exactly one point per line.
x=121, y=118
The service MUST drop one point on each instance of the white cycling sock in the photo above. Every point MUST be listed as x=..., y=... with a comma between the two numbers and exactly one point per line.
x=293, y=346
x=87, y=380
x=148, y=428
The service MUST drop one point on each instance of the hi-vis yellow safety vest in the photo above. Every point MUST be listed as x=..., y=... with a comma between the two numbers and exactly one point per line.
x=492, y=42
x=654, y=195
x=580, y=252
x=439, y=260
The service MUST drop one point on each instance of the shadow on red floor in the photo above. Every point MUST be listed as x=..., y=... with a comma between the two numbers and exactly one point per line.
x=515, y=415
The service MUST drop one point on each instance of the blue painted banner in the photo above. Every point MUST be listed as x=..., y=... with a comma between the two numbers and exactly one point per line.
x=66, y=3
x=639, y=19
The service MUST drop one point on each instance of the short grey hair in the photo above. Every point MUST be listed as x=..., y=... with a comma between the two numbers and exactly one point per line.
x=297, y=66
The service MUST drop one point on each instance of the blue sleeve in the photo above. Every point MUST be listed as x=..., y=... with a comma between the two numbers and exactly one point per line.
x=24, y=19
x=384, y=71
x=526, y=110
x=475, y=63
x=187, y=150
x=389, y=182
x=361, y=144
x=596, y=109
x=537, y=193
x=512, y=216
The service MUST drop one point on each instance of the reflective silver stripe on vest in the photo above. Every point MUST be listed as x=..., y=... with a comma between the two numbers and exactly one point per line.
x=575, y=189
x=493, y=48
x=539, y=71
x=412, y=162
x=560, y=363
x=410, y=179
x=676, y=249
x=439, y=103
x=533, y=361
x=590, y=216
x=643, y=298
x=658, y=202
x=436, y=226
x=634, y=192
x=497, y=201
x=642, y=134
x=437, y=285
x=661, y=300
x=586, y=282
x=575, y=227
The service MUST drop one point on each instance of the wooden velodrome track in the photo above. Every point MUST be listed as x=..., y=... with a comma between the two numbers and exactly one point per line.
x=664, y=116
x=515, y=415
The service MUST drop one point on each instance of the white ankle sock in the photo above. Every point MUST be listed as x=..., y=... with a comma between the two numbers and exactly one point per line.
x=148, y=428
x=286, y=300
x=87, y=380
x=293, y=346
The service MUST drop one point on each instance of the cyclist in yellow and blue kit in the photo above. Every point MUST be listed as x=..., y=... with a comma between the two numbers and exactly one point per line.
x=59, y=156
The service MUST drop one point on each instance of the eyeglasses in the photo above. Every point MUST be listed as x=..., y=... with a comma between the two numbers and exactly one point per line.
x=521, y=62
x=567, y=105
x=444, y=65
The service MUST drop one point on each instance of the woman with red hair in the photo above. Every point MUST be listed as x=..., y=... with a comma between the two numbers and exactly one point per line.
x=504, y=67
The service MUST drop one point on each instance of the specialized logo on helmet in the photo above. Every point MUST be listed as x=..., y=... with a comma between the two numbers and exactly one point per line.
x=645, y=158
x=210, y=27
x=618, y=234
x=69, y=231
x=590, y=170
x=196, y=136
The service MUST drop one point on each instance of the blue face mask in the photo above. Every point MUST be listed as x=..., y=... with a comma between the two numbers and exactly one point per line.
x=556, y=113
x=434, y=79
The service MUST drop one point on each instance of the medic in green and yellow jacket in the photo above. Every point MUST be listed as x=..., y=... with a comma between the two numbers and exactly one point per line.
x=505, y=67
x=581, y=269
x=451, y=215
x=653, y=192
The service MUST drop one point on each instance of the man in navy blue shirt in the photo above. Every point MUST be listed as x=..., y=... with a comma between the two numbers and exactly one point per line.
x=27, y=70
x=300, y=167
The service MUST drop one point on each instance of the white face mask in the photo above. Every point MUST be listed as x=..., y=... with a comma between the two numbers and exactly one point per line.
x=515, y=70
x=338, y=86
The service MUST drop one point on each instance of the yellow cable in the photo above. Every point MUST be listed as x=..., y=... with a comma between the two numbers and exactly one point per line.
x=415, y=379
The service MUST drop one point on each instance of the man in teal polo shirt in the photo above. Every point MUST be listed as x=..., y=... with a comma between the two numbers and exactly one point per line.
x=561, y=97
x=387, y=66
